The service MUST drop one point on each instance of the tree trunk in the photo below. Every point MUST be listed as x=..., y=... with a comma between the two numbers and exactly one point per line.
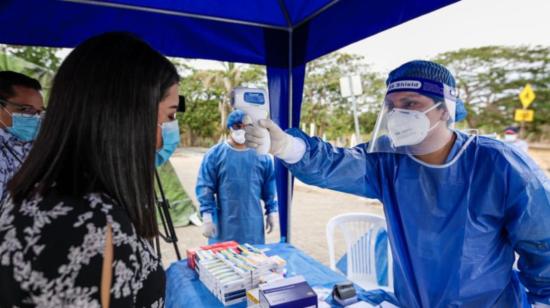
x=223, y=115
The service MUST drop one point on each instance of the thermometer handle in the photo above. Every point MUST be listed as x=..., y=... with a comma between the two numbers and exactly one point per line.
x=263, y=149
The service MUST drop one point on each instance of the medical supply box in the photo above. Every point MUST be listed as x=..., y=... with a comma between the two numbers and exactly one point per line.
x=230, y=272
x=192, y=252
x=292, y=292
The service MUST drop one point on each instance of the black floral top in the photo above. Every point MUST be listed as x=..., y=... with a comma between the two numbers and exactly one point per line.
x=51, y=255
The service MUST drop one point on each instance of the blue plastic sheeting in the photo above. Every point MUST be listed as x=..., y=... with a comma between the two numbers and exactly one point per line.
x=65, y=24
x=271, y=13
x=184, y=289
x=238, y=31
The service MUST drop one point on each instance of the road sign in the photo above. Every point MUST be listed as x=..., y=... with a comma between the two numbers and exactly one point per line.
x=527, y=96
x=351, y=86
x=524, y=115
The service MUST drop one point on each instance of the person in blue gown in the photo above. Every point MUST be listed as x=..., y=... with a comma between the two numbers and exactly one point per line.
x=232, y=181
x=458, y=206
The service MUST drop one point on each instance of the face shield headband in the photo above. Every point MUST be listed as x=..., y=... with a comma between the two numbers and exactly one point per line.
x=425, y=87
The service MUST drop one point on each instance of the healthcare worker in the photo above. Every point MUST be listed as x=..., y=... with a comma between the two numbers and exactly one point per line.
x=232, y=180
x=458, y=206
x=511, y=137
x=21, y=111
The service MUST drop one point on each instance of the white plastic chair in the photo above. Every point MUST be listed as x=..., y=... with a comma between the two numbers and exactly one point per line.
x=360, y=231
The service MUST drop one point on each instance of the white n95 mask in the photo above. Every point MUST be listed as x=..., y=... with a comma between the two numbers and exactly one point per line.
x=238, y=135
x=510, y=138
x=409, y=127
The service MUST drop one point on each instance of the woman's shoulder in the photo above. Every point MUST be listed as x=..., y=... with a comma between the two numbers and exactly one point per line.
x=63, y=214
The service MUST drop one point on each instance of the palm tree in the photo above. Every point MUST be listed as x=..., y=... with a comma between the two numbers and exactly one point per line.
x=226, y=80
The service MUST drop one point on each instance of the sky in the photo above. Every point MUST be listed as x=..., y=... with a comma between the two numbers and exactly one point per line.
x=466, y=24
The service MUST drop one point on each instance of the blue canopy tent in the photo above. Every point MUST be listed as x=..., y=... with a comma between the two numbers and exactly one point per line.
x=281, y=34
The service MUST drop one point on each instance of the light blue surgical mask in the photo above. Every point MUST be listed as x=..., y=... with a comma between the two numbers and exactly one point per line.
x=170, y=140
x=24, y=126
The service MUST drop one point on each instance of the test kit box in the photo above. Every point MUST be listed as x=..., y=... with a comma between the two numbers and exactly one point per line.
x=293, y=292
x=229, y=272
x=192, y=252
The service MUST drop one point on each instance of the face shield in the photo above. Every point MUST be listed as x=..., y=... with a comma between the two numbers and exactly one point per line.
x=416, y=118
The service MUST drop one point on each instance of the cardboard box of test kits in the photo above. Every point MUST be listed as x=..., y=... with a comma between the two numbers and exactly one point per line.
x=287, y=293
x=191, y=252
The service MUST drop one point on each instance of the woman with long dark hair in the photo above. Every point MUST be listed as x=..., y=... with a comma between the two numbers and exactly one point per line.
x=76, y=227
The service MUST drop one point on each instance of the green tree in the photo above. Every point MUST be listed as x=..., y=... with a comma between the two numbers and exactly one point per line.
x=200, y=123
x=45, y=57
x=323, y=103
x=223, y=82
x=21, y=62
x=490, y=79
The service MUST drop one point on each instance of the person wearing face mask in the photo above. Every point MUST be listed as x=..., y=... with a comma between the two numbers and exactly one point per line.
x=458, y=206
x=232, y=180
x=77, y=224
x=511, y=137
x=21, y=110
x=168, y=133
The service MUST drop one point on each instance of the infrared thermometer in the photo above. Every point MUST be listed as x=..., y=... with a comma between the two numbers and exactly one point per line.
x=255, y=103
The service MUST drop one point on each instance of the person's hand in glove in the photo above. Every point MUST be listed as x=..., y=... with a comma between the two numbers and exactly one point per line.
x=281, y=142
x=270, y=222
x=208, y=228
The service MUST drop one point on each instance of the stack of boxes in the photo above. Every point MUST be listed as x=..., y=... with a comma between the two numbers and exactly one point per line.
x=214, y=248
x=224, y=281
x=228, y=273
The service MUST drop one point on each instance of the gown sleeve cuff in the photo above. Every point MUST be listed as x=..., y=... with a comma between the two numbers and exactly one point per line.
x=206, y=217
x=296, y=148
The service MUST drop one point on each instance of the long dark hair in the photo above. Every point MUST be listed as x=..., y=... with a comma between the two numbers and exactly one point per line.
x=100, y=129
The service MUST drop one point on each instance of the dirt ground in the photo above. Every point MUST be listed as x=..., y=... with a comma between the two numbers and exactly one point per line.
x=541, y=154
x=311, y=210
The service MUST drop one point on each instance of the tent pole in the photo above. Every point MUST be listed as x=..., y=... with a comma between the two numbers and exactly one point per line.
x=317, y=13
x=290, y=125
x=175, y=13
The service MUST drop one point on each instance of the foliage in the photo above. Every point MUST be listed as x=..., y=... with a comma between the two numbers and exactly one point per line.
x=200, y=123
x=489, y=81
x=45, y=57
x=37, y=62
x=491, y=78
x=224, y=81
x=207, y=95
x=323, y=103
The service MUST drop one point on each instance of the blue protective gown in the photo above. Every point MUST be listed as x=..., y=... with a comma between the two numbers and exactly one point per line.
x=230, y=185
x=453, y=228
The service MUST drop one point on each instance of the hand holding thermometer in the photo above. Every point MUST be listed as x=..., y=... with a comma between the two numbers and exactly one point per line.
x=255, y=103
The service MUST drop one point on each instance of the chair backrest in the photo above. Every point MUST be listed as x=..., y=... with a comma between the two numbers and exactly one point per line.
x=360, y=231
